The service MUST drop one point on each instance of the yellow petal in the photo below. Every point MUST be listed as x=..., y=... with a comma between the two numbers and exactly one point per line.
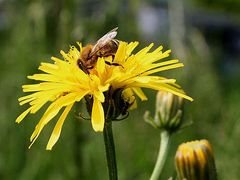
x=149, y=79
x=97, y=115
x=130, y=47
x=99, y=95
x=48, y=116
x=133, y=106
x=53, y=110
x=100, y=66
x=44, y=77
x=38, y=106
x=172, y=88
x=23, y=115
x=144, y=50
x=49, y=68
x=25, y=97
x=140, y=93
x=155, y=65
x=27, y=100
x=160, y=55
x=104, y=88
x=58, y=127
x=80, y=46
x=120, y=54
x=164, y=68
x=159, y=49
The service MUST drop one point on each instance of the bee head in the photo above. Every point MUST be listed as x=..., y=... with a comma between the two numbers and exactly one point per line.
x=86, y=51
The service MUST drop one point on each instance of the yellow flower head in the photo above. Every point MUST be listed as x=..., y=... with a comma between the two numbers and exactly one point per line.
x=63, y=83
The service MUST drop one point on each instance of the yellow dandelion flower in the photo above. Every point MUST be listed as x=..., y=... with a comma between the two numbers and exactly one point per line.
x=110, y=89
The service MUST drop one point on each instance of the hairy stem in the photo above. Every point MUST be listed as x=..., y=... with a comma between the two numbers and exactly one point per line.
x=162, y=155
x=110, y=151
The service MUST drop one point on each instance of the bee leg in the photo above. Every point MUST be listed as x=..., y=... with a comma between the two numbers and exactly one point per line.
x=113, y=64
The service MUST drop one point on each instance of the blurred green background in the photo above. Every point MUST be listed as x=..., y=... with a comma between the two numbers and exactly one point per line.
x=204, y=35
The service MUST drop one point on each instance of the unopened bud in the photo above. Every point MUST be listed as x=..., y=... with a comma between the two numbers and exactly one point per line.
x=194, y=161
x=169, y=111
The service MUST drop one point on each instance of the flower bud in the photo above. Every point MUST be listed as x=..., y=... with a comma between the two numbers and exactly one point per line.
x=168, y=114
x=194, y=161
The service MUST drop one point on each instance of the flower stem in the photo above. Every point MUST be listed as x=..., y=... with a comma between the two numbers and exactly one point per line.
x=110, y=151
x=162, y=155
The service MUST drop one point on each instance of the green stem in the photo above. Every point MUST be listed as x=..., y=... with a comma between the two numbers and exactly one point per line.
x=162, y=155
x=110, y=151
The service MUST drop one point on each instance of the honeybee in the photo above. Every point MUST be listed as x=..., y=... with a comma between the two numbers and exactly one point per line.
x=105, y=46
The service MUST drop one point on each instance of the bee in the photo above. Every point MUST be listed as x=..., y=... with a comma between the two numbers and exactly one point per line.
x=105, y=46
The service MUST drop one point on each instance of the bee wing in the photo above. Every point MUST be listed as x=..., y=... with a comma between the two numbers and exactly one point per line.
x=104, y=40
